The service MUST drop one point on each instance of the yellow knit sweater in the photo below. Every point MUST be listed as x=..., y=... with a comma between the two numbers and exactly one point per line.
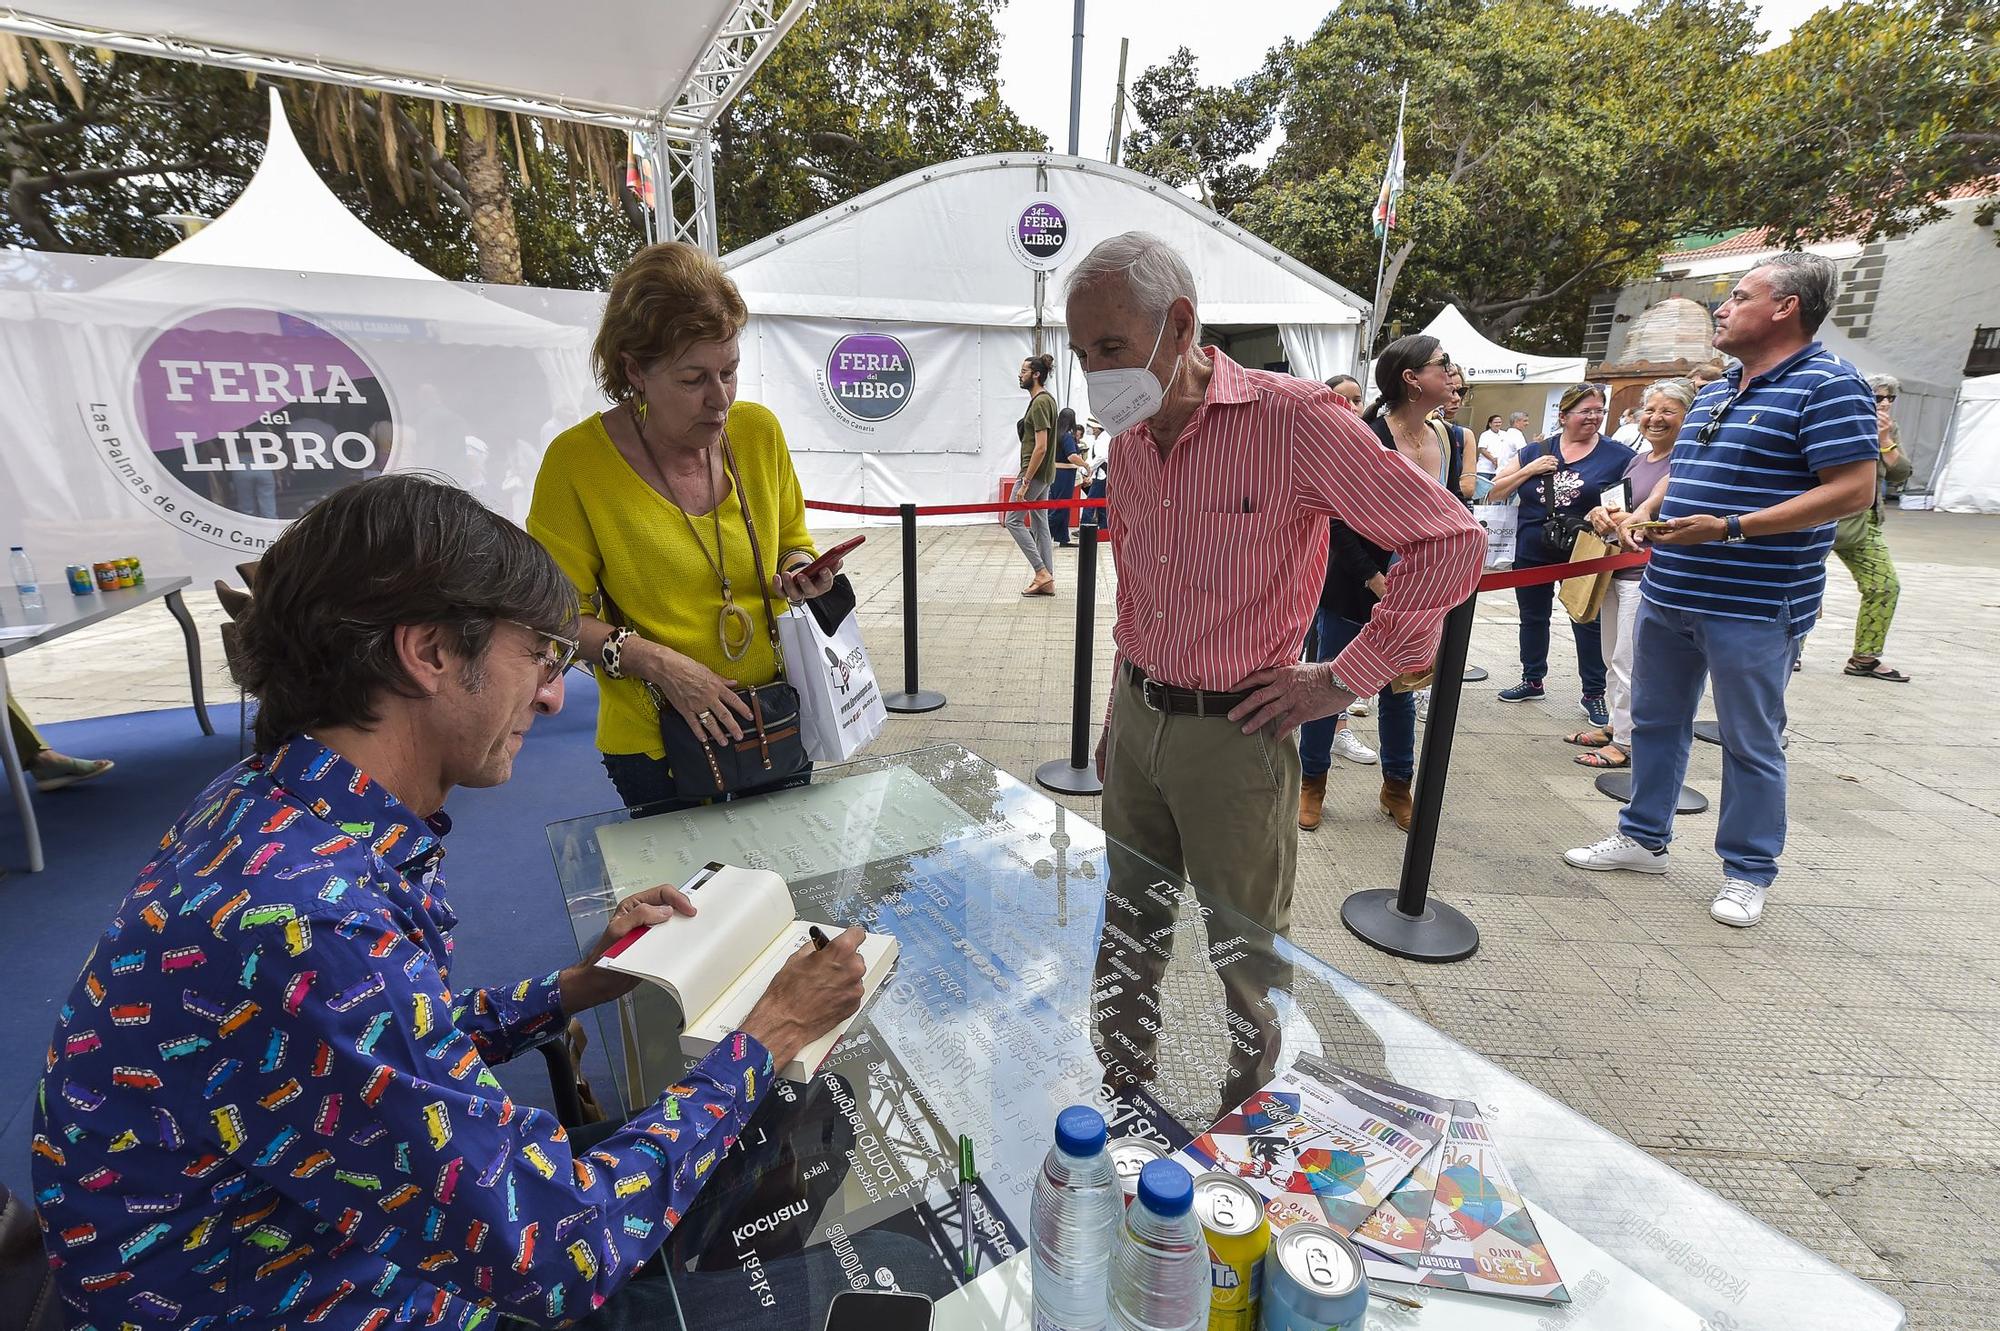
x=610, y=530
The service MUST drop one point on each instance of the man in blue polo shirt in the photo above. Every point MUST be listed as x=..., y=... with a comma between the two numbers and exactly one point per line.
x=1769, y=458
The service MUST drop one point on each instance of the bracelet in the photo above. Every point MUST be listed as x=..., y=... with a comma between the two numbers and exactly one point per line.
x=613, y=651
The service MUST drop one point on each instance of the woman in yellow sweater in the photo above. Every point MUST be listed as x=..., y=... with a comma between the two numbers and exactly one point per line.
x=653, y=509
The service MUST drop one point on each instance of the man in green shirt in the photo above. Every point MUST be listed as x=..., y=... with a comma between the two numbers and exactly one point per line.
x=1037, y=429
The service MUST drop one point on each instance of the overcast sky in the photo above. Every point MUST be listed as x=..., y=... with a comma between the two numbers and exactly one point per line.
x=1230, y=40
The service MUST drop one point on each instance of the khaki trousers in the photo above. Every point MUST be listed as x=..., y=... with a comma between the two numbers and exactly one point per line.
x=1191, y=801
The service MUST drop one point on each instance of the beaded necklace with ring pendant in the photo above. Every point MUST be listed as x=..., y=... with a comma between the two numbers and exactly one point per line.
x=731, y=616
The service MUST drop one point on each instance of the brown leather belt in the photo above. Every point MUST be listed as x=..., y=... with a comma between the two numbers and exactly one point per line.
x=1173, y=699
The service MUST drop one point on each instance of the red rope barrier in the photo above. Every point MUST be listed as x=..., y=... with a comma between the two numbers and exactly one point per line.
x=931, y=510
x=1529, y=577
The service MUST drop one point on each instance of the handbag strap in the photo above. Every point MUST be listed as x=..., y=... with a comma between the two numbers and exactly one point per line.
x=756, y=556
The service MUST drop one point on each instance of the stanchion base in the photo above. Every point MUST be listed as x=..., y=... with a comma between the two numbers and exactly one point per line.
x=1618, y=785
x=1711, y=731
x=1474, y=674
x=1059, y=776
x=923, y=700
x=1439, y=934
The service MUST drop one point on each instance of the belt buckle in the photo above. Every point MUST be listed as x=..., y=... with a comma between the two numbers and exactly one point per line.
x=1153, y=693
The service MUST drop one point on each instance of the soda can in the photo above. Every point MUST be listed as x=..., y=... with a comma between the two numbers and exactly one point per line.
x=107, y=576
x=1129, y=1155
x=82, y=582
x=1232, y=1222
x=126, y=578
x=1312, y=1282
x=138, y=572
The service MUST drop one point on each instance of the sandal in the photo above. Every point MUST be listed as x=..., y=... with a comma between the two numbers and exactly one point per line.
x=1871, y=667
x=1589, y=739
x=53, y=771
x=1597, y=758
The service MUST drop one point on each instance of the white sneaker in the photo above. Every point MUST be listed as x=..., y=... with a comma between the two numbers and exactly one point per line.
x=1359, y=707
x=1423, y=704
x=1739, y=904
x=1352, y=749
x=1617, y=852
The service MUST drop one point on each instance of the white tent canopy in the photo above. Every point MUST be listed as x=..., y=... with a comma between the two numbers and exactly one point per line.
x=927, y=259
x=1487, y=362
x=1968, y=478
x=622, y=60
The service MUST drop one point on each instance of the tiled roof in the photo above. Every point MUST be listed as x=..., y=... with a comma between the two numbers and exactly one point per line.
x=1758, y=238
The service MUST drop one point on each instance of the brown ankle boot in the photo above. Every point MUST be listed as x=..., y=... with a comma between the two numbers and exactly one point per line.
x=1396, y=801
x=1312, y=795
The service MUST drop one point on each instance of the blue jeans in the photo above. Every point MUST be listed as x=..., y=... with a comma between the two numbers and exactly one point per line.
x=1750, y=662
x=648, y=783
x=1537, y=604
x=1396, y=713
x=1063, y=487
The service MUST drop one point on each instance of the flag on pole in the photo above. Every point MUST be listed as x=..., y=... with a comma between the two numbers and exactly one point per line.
x=1392, y=186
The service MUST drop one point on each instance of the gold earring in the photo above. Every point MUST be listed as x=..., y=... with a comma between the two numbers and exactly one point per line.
x=639, y=410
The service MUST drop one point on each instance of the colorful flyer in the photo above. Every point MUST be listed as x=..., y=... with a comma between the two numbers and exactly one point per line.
x=1315, y=1148
x=1398, y=1226
x=1480, y=1237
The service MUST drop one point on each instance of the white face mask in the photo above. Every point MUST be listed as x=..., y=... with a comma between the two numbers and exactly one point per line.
x=1120, y=399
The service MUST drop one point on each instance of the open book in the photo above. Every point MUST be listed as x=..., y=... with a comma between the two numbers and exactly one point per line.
x=718, y=962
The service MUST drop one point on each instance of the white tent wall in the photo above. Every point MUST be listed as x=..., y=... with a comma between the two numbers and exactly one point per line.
x=1968, y=479
x=927, y=260
x=453, y=383
x=1923, y=409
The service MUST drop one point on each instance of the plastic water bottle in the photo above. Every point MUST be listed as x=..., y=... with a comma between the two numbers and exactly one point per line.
x=1073, y=1221
x=24, y=580
x=1159, y=1273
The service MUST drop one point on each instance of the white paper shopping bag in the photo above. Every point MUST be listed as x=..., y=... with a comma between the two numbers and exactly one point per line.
x=840, y=707
x=1500, y=522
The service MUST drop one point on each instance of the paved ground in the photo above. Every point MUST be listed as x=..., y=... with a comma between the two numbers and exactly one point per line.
x=1836, y=1070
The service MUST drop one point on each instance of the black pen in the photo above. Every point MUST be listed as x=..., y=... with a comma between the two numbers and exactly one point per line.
x=819, y=939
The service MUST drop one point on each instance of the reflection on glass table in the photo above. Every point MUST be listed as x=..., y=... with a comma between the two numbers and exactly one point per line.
x=1042, y=966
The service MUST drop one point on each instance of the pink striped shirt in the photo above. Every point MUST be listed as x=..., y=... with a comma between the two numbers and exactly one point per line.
x=1222, y=544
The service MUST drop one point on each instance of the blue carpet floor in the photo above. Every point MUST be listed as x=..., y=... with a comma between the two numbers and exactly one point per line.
x=502, y=881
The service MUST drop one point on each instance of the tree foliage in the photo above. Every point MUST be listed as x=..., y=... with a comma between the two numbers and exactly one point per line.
x=860, y=92
x=1189, y=134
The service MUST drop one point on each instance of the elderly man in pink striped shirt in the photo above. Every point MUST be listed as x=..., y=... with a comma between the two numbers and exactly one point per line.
x=1222, y=481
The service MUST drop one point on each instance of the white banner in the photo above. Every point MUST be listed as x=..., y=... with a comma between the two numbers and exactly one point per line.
x=847, y=387
x=185, y=413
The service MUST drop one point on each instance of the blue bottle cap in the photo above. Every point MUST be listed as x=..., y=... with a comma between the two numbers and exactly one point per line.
x=1166, y=1188
x=1080, y=1131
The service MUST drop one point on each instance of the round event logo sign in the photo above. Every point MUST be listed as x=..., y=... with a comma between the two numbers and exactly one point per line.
x=869, y=377
x=260, y=413
x=1039, y=234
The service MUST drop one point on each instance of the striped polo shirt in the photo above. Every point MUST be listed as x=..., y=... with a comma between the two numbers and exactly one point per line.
x=1811, y=412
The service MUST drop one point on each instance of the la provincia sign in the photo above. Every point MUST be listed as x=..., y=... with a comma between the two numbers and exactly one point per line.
x=867, y=379
x=1038, y=235
x=241, y=419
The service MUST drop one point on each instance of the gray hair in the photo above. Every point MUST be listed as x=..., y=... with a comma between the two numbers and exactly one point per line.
x=1811, y=277
x=1885, y=383
x=1680, y=390
x=1152, y=272
x=1517, y=416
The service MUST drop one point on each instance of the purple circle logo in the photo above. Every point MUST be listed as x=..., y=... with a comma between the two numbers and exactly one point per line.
x=260, y=412
x=870, y=376
x=1039, y=234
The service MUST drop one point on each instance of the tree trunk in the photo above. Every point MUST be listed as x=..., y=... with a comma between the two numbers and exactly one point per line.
x=493, y=234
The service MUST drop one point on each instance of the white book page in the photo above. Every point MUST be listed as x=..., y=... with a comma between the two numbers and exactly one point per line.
x=739, y=913
x=711, y=1026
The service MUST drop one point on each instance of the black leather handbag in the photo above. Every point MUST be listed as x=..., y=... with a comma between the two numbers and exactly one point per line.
x=1559, y=528
x=772, y=747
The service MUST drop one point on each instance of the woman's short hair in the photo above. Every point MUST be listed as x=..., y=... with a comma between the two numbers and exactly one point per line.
x=670, y=297
x=317, y=646
x=1679, y=390
x=1885, y=383
x=1575, y=394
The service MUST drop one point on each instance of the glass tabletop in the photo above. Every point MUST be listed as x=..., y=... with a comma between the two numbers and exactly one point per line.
x=1042, y=965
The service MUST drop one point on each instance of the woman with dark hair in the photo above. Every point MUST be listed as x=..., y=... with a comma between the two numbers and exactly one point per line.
x=679, y=519
x=1069, y=465
x=1037, y=431
x=1347, y=388
x=1413, y=377
x=1561, y=477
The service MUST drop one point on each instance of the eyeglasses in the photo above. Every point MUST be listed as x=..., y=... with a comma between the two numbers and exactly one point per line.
x=1443, y=358
x=557, y=653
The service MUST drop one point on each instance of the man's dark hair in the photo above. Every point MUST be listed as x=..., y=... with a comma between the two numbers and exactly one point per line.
x=1040, y=368
x=1813, y=278
x=317, y=645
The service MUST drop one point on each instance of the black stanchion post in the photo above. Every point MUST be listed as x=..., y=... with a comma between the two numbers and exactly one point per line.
x=912, y=698
x=1078, y=775
x=1405, y=923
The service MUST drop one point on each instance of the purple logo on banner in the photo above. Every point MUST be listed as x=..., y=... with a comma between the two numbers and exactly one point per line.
x=261, y=412
x=1042, y=231
x=870, y=376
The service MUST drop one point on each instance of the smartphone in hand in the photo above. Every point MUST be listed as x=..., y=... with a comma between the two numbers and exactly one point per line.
x=820, y=565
